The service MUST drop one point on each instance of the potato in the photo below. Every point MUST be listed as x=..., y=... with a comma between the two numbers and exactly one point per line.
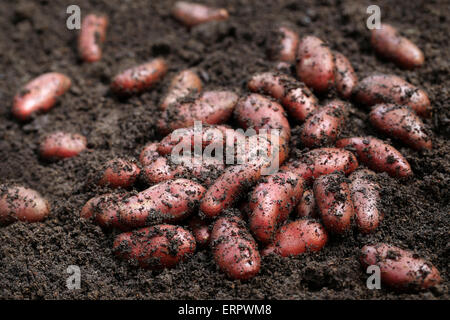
x=40, y=94
x=184, y=83
x=389, y=44
x=149, y=153
x=322, y=161
x=324, y=126
x=400, y=269
x=104, y=210
x=383, y=88
x=234, y=249
x=378, y=155
x=334, y=202
x=271, y=202
x=61, y=145
x=315, y=64
x=200, y=230
x=285, y=46
x=18, y=203
x=140, y=78
x=345, y=77
x=306, y=207
x=401, y=123
x=192, y=14
x=157, y=247
x=366, y=199
x=92, y=35
x=119, y=173
x=298, y=237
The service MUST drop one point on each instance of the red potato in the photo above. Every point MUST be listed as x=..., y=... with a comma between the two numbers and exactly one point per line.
x=334, y=202
x=234, y=249
x=104, y=210
x=271, y=202
x=166, y=202
x=285, y=48
x=201, y=231
x=139, y=78
x=18, y=203
x=307, y=205
x=61, y=145
x=184, y=83
x=92, y=35
x=40, y=94
x=149, y=153
x=401, y=123
x=323, y=127
x=212, y=107
x=400, y=269
x=192, y=14
x=119, y=173
x=257, y=112
x=344, y=76
x=388, y=43
x=377, y=155
x=315, y=64
x=294, y=95
x=157, y=247
x=322, y=161
x=366, y=198
x=382, y=88
x=298, y=237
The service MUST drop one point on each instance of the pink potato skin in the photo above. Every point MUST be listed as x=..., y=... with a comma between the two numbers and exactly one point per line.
x=92, y=35
x=345, y=76
x=192, y=14
x=184, y=83
x=61, y=145
x=306, y=207
x=119, y=173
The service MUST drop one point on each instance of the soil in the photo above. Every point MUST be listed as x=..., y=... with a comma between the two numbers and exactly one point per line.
x=34, y=39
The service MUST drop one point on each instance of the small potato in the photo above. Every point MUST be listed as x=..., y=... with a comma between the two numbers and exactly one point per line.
x=334, y=202
x=119, y=173
x=315, y=64
x=345, y=76
x=307, y=206
x=192, y=14
x=389, y=44
x=139, y=78
x=184, y=83
x=323, y=127
x=200, y=230
x=104, y=210
x=271, y=202
x=400, y=269
x=18, y=203
x=294, y=95
x=322, y=161
x=366, y=198
x=40, y=94
x=166, y=202
x=92, y=35
x=61, y=145
x=158, y=247
x=377, y=155
x=401, y=123
x=149, y=153
x=382, y=88
x=234, y=249
x=298, y=237
x=285, y=46
x=257, y=112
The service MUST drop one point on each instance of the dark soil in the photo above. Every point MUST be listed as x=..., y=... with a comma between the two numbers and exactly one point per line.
x=34, y=39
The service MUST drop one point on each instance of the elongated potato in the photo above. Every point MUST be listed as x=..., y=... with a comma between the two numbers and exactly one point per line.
x=40, y=94
x=61, y=145
x=92, y=35
x=378, y=155
x=200, y=230
x=400, y=269
x=18, y=203
x=119, y=173
x=345, y=76
x=401, y=123
x=366, y=198
x=149, y=153
x=139, y=78
x=323, y=127
x=158, y=247
x=293, y=95
x=388, y=43
x=384, y=88
x=322, y=161
x=307, y=205
x=334, y=202
x=184, y=83
x=234, y=249
x=315, y=64
x=271, y=202
x=192, y=14
x=284, y=46
x=104, y=210
x=298, y=237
